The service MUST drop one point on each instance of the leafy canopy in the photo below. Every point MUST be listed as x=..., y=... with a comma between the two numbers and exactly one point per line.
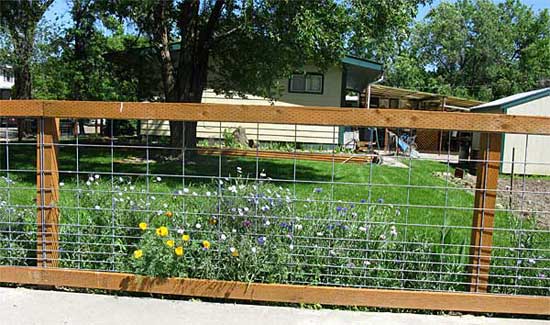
x=477, y=48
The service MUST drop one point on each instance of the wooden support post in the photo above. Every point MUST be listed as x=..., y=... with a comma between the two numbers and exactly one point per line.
x=441, y=142
x=484, y=211
x=386, y=140
x=47, y=196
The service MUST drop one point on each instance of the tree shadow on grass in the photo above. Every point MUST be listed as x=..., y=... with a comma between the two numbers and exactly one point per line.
x=201, y=169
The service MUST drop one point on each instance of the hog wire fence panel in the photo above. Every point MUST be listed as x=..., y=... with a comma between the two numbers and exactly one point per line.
x=283, y=203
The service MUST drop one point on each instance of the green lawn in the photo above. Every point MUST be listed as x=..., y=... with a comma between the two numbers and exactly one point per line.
x=344, y=224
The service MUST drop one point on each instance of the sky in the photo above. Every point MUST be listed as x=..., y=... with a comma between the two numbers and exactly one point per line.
x=535, y=4
x=59, y=8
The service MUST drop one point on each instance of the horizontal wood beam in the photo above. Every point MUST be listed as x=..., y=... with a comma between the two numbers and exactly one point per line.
x=269, y=154
x=391, y=118
x=470, y=302
x=21, y=108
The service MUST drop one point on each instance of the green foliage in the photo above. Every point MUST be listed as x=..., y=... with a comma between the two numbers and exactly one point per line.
x=71, y=62
x=229, y=139
x=18, y=21
x=378, y=29
x=255, y=44
x=476, y=48
x=339, y=234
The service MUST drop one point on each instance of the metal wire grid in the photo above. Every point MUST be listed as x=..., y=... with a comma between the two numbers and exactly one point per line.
x=289, y=221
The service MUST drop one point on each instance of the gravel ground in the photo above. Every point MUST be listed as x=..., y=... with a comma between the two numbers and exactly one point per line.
x=531, y=198
x=528, y=199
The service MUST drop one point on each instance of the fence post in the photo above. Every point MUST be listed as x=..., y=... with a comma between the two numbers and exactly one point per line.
x=47, y=195
x=484, y=211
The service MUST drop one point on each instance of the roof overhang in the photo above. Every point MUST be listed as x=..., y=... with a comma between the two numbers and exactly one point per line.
x=360, y=72
x=503, y=105
x=447, y=102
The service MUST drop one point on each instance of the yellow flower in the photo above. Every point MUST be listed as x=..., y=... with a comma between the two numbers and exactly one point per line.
x=142, y=225
x=179, y=251
x=170, y=243
x=205, y=244
x=138, y=254
x=169, y=214
x=185, y=237
x=162, y=231
x=234, y=252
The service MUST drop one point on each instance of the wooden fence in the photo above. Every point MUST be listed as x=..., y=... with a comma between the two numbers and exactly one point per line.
x=490, y=125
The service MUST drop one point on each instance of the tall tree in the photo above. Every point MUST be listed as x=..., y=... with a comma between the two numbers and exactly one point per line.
x=69, y=61
x=379, y=29
x=19, y=18
x=247, y=45
x=480, y=49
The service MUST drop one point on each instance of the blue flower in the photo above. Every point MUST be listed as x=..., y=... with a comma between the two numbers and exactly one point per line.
x=317, y=190
x=381, y=201
x=363, y=201
x=261, y=240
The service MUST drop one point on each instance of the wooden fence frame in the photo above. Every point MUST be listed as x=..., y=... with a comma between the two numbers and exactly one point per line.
x=490, y=125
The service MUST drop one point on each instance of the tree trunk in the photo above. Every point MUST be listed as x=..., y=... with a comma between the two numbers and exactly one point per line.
x=186, y=83
x=22, y=90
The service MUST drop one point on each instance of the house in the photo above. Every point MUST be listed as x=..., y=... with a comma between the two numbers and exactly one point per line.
x=518, y=148
x=6, y=81
x=308, y=86
x=343, y=85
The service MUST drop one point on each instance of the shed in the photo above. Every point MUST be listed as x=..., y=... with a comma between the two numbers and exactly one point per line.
x=426, y=140
x=519, y=148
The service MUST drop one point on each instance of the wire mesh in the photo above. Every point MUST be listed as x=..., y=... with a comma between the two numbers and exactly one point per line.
x=284, y=204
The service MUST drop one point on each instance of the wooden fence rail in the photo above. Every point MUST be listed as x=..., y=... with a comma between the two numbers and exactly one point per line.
x=491, y=125
x=391, y=118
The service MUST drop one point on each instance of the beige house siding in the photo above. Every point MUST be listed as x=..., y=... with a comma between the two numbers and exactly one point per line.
x=538, y=153
x=330, y=97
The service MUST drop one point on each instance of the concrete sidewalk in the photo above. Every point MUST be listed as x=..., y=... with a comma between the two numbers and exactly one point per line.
x=25, y=306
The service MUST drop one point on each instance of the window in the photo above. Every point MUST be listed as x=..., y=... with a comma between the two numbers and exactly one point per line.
x=394, y=102
x=306, y=83
x=7, y=75
x=374, y=102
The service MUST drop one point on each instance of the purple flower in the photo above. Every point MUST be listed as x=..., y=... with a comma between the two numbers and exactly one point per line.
x=317, y=190
x=338, y=209
x=261, y=240
x=247, y=223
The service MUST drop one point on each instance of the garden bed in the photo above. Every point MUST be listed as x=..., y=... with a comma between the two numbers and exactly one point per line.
x=267, y=220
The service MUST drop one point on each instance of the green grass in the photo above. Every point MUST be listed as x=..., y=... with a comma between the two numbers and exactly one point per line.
x=406, y=260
